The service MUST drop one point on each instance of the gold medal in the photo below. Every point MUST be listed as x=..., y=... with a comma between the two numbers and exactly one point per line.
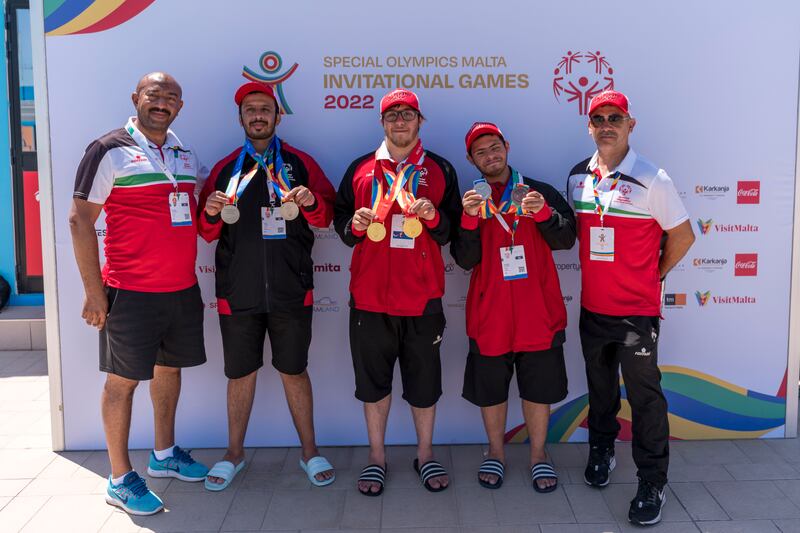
x=412, y=227
x=376, y=232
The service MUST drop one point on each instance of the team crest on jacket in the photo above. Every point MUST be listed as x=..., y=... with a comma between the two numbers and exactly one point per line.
x=580, y=76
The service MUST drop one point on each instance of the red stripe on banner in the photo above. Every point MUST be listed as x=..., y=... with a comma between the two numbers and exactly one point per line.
x=123, y=13
x=782, y=389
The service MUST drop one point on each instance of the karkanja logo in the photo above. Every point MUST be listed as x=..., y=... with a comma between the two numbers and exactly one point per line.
x=271, y=63
x=580, y=76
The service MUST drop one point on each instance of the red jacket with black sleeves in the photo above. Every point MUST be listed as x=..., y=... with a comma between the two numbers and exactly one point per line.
x=398, y=281
x=257, y=275
x=521, y=315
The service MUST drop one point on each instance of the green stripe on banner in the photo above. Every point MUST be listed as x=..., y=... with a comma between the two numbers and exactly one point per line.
x=587, y=206
x=720, y=397
x=144, y=179
x=558, y=430
x=51, y=5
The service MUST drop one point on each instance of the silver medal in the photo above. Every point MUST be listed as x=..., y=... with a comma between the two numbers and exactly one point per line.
x=289, y=210
x=483, y=189
x=518, y=194
x=230, y=214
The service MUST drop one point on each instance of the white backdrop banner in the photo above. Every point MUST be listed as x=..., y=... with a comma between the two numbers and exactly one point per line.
x=716, y=106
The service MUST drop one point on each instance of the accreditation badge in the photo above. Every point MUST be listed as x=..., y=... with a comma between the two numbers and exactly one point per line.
x=399, y=237
x=601, y=244
x=273, y=225
x=513, y=260
x=179, y=210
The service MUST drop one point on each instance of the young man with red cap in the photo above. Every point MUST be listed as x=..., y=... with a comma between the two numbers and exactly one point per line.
x=396, y=207
x=259, y=202
x=633, y=228
x=515, y=312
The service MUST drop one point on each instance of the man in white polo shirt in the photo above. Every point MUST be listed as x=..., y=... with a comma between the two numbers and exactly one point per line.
x=633, y=228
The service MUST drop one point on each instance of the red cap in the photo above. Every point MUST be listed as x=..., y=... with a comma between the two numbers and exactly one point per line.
x=253, y=87
x=481, y=128
x=614, y=98
x=398, y=97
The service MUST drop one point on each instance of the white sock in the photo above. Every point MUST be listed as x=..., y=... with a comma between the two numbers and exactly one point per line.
x=120, y=479
x=163, y=454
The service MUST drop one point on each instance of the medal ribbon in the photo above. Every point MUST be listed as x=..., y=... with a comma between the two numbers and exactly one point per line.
x=597, y=178
x=409, y=175
x=236, y=186
x=489, y=209
x=278, y=181
x=144, y=144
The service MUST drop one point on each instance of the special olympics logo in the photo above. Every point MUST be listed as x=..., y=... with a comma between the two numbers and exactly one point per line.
x=271, y=63
x=580, y=76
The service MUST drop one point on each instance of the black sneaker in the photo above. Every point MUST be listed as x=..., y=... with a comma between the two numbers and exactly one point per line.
x=646, y=506
x=601, y=463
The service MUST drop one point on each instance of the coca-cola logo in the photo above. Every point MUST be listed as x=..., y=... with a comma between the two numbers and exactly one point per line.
x=746, y=265
x=748, y=192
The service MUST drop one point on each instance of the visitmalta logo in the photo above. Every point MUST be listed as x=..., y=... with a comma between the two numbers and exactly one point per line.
x=271, y=64
x=580, y=76
x=704, y=226
x=702, y=297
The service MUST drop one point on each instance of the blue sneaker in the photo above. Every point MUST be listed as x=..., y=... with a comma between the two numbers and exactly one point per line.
x=133, y=496
x=180, y=465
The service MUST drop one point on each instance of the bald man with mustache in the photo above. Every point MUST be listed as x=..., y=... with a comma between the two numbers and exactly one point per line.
x=145, y=300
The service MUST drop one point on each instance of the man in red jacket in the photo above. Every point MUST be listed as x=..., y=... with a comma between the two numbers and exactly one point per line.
x=259, y=202
x=515, y=312
x=395, y=207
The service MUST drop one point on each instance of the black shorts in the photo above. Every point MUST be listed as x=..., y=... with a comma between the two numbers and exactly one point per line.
x=377, y=340
x=144, y=329
x=243, y=341
x=541, y=377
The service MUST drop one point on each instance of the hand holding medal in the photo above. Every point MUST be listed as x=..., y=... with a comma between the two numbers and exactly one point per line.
x=298, y=197
x=533, y=202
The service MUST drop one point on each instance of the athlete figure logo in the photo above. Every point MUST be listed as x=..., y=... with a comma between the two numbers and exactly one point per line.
x=580, y=76
x=271, y=63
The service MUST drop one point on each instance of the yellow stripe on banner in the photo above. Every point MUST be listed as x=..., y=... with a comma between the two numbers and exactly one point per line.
x=575, y=424
x=706, y=377
x=681, y=428
x=98, y=10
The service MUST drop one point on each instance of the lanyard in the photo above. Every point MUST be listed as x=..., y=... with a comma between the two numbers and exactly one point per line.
x=144, y=144
x=597, y=178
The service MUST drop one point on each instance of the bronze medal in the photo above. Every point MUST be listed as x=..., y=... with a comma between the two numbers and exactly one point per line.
x=289, y=210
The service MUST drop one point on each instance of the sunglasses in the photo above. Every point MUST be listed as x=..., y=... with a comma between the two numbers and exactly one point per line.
x=406, y=114
x=614, y=120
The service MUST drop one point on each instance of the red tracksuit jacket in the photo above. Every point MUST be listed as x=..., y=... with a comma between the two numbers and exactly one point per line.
x=521, y=315
x=396, y=281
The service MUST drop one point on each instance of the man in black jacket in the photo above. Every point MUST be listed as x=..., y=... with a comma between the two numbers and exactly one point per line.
x=259, y=202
